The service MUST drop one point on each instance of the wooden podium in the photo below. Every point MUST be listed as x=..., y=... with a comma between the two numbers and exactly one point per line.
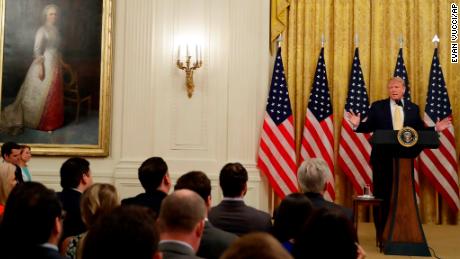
x=403, y=233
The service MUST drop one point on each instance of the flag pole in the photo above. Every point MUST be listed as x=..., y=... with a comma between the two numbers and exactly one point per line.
x=279, y=40
x=323, y=40
x=356, y=40
x=435, y=40
x=401, y=41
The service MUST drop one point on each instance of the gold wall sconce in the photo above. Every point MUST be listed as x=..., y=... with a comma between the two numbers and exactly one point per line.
x=188, y=66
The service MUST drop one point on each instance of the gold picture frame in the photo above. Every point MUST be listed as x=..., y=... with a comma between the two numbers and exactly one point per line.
x=65, y=121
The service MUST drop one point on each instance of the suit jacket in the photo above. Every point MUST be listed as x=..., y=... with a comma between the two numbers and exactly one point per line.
x=236, y=217
x=319, y=202
x=151, y=200
x=173, y=250
x=214, y=241
x=73, y=224
x=379, y=117
x=38, y=252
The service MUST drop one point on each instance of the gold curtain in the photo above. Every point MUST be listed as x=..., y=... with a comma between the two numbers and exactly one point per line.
x=379, y=24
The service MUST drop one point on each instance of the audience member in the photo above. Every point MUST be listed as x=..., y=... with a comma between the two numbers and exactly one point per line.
x=127, y=232
x=25, y=157
x=31, y=225
x=328, y=234
x=214, y=241
x=256, y=246
x=7, y=183
x=98, y=200
x=289, y=218
x=11, y=153
x=232, y=214
x=312, y=180
x=75, y=179
x=154, y=177
x=181, y=224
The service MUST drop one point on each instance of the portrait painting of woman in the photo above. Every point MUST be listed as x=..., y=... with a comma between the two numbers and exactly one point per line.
x=56, y=74
x=39, y=103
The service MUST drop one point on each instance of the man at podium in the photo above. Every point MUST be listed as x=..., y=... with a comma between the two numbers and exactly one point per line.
x=392, y=113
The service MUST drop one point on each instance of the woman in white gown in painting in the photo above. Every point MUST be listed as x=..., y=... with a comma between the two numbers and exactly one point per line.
x=40, y=101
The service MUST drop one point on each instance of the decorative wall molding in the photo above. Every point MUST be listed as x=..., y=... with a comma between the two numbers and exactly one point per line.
x=152, y=115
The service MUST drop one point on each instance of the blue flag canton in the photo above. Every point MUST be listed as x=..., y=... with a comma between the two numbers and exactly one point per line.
x=278, y=103
x=438, y=104
x=357, y=99
x=400, y=70
x=320, y=100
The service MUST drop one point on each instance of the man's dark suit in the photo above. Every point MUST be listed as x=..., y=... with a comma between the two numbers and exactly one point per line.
x=214, y=241
x=235, y=217
x=380, y=118
x=73, y=224
x=172, y=250
x=319, y=202
x=38, y=252
x=150, y=200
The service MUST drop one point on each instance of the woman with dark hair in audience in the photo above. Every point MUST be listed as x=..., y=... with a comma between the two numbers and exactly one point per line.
x=328, y=233
x=98, y=200
x=289, y=218
x=31, y=224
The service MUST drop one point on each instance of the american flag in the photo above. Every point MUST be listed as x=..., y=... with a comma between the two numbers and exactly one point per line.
x=354, y=148
x=400, y=71
x=277, y=158
x=318, y=131
x=440, y=165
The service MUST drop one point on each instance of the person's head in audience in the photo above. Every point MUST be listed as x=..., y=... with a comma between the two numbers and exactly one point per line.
x=11, y=152
x=198, y=182
x=153, y=175
x=290, y=216
x=311, y=175
x=76, y=174
x=32, y=217
x=98, y=200
x=7, y=182
x=328, y=233
x=233, y=180
x=256, y=246
x=182, y=216
x=127, y=232
x=26, y=155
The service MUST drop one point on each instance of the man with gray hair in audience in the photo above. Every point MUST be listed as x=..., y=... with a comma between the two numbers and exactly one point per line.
x=181, y=224
x=312, y=179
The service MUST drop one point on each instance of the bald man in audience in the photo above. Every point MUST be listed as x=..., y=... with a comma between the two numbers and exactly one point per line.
x=312, y=179
x=214, y=240
x=232, y=214
x=181, y=224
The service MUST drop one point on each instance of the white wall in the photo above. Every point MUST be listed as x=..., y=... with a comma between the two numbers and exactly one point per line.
x=152, y=115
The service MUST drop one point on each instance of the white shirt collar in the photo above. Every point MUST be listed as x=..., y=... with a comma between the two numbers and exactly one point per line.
x=50, y=246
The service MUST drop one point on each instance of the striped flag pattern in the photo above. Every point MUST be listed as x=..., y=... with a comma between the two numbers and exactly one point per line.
x=354, y=148
x=318, y=131
x=276, y=157
x=440, y=165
